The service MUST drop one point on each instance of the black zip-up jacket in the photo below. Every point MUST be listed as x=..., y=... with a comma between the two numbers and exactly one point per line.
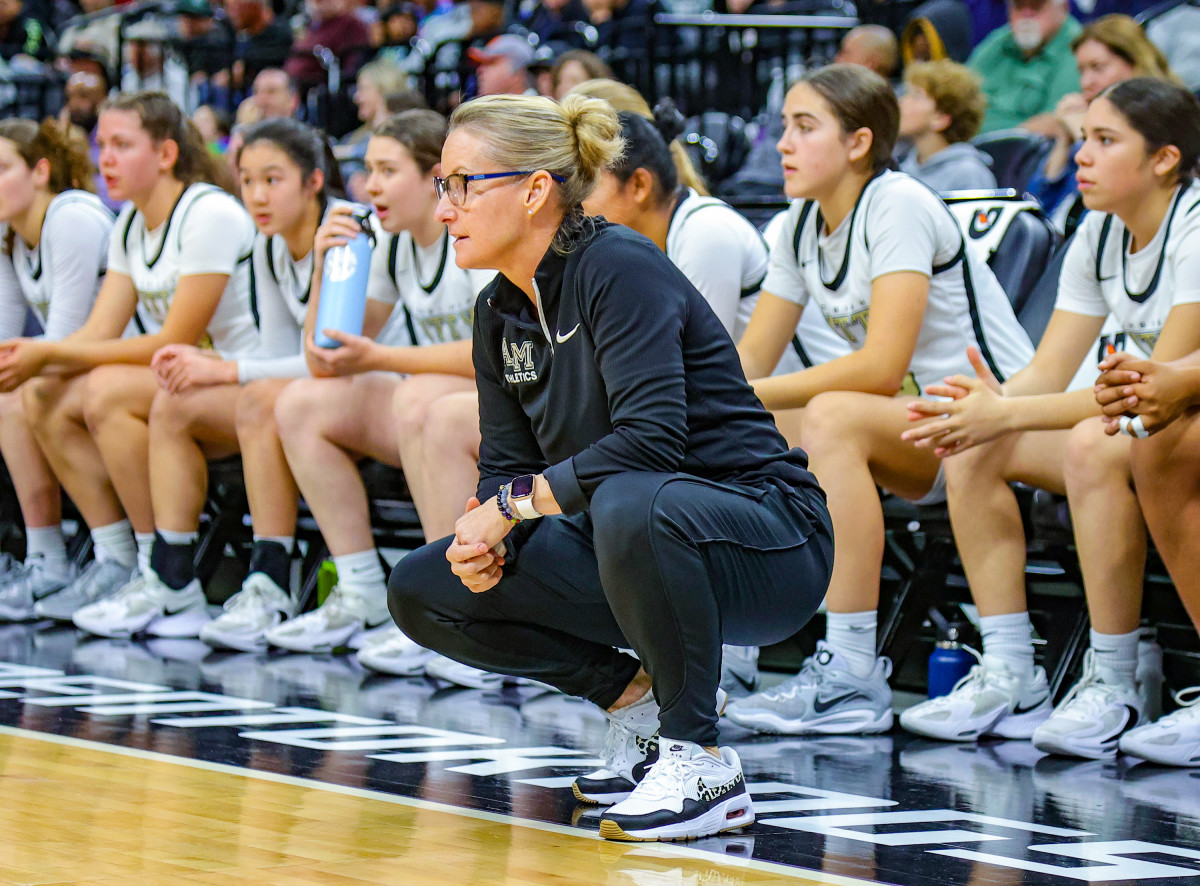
x=624, y=368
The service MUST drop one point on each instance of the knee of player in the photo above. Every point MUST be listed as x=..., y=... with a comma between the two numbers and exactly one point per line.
x=297, y=409
x=827, y=424
x=1093, y=457
x=102, y=395
x=412, y=406
x=255, y=407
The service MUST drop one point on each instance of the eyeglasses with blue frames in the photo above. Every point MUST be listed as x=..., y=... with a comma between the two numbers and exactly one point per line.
x=455, y=186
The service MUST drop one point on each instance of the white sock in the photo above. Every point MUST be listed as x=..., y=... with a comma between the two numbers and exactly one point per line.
x=1010, y=639
x=175, y=538
x=145, y=541
x=47, y=546
x=852, y=635
x=115, y=542
x=1116, y=657
x=360, y=574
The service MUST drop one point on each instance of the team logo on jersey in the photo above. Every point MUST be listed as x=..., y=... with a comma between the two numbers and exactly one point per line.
x=340, y=264
x=851, y=327
x=518, y=360
x=982, y=221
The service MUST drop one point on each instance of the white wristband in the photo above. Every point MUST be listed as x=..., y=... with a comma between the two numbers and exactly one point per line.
x=1133, y=427
x=524, y=507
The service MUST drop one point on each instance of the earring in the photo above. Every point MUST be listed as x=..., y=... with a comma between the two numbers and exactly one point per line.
x=531, y=212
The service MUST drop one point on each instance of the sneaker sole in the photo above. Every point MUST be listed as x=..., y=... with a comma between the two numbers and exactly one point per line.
x=1105, y=751
x=729, y=815
x=1150, y=756
x=183, y=624
x=300, y=644
x=843, y=724
x=384, y=665
x=7, y=614
x=236, y=642
x=1018, y=726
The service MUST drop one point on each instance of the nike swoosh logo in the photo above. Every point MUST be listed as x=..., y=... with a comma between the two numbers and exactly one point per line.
x=560, y=338
x=1025, y=710
x=821, y=705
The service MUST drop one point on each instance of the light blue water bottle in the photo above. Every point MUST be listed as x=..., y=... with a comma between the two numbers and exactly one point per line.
x=343, y=299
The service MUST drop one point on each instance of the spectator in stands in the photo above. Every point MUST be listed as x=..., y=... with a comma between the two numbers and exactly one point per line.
x=502, y=66
x=394, y=32
x=84, y=92
x=487, y=21
x=940, y=111
x=1107, y=51
x=90, y=395
x=209, y=407
x=21, y=35
x=1174, y=32
x=333, y=25
x=884, y=260
x=557, y=22
x=1134, y=261
x=260, y=41
x=214, y=125
x=576, y=66
x=1027, y=65
x=376, y=81
x=52, y=262
x=329, y=423
x=936, y=30
x=206, y=43
x=275, y=94
x=872, y=46
x=621, y=25
x=1164, y=396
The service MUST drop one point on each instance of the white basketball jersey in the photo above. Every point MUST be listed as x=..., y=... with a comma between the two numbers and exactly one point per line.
x=75, y=231
x=898, y=225
x=207, y=232
x=723, y=256
x=433, y=298
x=1101, y=278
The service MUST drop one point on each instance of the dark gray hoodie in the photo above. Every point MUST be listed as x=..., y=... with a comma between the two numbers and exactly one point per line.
x=960, y=167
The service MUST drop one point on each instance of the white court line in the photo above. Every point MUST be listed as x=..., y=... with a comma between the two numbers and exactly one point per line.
x=665, y=850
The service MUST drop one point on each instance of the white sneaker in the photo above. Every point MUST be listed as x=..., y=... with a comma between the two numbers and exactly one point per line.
x=687, y=794
x=826, y=698
x=443, y=668
x=341, y=621
x=392, y=652
x=99, y=580
x=739, y=669
x=1173, y=740
x=25, y=584
x=248, y=615
x=630, y=749
x=146, y=604
x=989, y=700
x=1091, y=719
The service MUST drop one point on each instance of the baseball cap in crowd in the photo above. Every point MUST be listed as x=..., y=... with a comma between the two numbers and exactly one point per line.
x=507, y=46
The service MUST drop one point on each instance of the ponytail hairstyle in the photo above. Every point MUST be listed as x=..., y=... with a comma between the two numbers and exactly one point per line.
x=162, y=119
x=422, y=132
x=860, y=99
x=1163, y=114
x=66, y=150
x=624, y=97
x=575, y=140
x=305, y=147
x=646, y=148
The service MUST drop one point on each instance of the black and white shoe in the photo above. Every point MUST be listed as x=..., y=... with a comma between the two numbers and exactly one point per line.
x=630, y=748
x=686, y=795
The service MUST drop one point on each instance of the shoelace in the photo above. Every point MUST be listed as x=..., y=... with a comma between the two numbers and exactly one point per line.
x=614, y=740
x=255, y=594
x=1188, y=697
x=1088, y=696
x=663, y=780
x=809, y=676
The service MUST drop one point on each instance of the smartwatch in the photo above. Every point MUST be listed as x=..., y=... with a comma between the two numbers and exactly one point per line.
x=520, y=497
